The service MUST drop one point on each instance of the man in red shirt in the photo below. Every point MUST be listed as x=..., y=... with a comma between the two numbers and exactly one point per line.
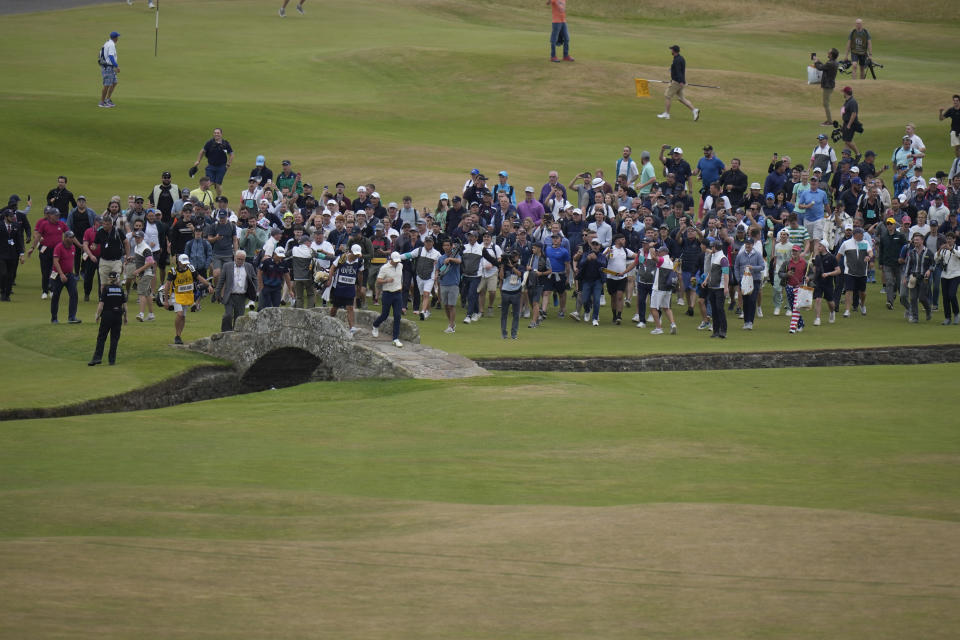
x=48, y=234
x=559, y=34
x=796, y=276
x=88, y=267
x=63, y=257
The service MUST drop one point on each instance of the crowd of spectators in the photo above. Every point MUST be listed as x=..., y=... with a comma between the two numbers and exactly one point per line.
x=663, y=234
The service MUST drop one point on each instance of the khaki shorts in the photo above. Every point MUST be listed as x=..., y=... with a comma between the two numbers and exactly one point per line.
x=954, y=139
x=488, y=284
x=145, y=285
x=106, y=266
x=128, y=268
x=675, y=90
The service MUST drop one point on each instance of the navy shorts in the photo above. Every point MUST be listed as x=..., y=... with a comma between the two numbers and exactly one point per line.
x=824, y=288
x=339, y=302
x=216, y=173
x=855, y=283
x=614, y=286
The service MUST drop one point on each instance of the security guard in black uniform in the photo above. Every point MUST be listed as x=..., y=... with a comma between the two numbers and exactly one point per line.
x=111, y=312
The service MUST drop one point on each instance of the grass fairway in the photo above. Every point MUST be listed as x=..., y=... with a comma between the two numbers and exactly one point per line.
x=575, y=506
x=741, y=504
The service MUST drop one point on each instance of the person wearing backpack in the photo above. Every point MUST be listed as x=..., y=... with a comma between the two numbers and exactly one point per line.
x=109, y=68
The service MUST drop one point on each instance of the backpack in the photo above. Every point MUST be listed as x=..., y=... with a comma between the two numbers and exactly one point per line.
x=101, y=59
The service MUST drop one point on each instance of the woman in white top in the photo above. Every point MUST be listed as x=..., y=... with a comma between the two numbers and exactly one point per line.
x=948, y=259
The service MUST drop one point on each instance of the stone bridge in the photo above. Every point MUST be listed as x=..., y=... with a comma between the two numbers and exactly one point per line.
x=281, y=346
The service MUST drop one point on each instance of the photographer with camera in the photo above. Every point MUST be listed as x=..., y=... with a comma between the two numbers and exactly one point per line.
x=828, y=80
x=850, y=112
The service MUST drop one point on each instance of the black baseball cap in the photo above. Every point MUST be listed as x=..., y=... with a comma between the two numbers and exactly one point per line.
x=165, y=174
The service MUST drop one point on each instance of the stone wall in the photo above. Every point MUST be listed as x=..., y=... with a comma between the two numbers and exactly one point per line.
x=925, y=354
x=200, y=383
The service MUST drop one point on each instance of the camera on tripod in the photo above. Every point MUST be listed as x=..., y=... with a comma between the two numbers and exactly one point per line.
x=871, y=65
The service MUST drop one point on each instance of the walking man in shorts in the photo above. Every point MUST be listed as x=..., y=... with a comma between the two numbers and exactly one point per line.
x=678, y=80
x=814, y=204
x=219, y=158
x=109, y=68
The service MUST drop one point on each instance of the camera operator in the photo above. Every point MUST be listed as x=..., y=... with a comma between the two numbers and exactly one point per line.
x=828, y=80
x=851, y=122
x=860, y=45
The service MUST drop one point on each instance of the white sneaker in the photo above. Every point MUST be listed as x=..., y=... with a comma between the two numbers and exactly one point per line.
x=650, y=318
x=681, y=302
x=43, y=296
x=863, y=309
x=846, y=314
x=663, y=116
x=151, y=317
x=426, y=315
x=816, y=321
x=283, y=14
x=657, y=332
x=449, y=330
x=475, y=317
x=596, y=323
x=466, y=320
x=140, y=317
x=641, y=325
x=575, y=316
x=150, y=4
x=776, y=311
x=833, y=317
x=603, y=301
x=759, y=312
x=300, y=8
x=636, y=317
x=398, y=344
x=748, y=326
x=375, y=332
x=673, y=329
x=696, y=114
x=526, y=314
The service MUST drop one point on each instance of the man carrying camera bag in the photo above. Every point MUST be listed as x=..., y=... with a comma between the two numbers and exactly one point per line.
x=850, y=112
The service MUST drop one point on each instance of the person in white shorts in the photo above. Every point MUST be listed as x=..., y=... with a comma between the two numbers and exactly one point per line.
x=489, y=272
x=425, y=266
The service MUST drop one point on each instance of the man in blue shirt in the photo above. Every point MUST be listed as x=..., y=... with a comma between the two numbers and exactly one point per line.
x=556, y=282
x=709, y=169
x=813, y=203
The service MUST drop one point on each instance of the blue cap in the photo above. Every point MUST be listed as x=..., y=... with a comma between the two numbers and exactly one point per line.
x=114, y=34
x=856, y=181
x=770, y=195
x=503, y=173
x=261, y=161
x=475, y=172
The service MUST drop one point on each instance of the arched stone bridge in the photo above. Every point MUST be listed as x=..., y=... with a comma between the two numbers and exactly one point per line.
x=281, y=346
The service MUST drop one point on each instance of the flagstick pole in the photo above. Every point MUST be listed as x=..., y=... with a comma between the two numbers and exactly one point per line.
x=156, y=30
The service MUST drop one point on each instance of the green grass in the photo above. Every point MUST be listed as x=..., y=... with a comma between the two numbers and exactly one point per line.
x=555, y=439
